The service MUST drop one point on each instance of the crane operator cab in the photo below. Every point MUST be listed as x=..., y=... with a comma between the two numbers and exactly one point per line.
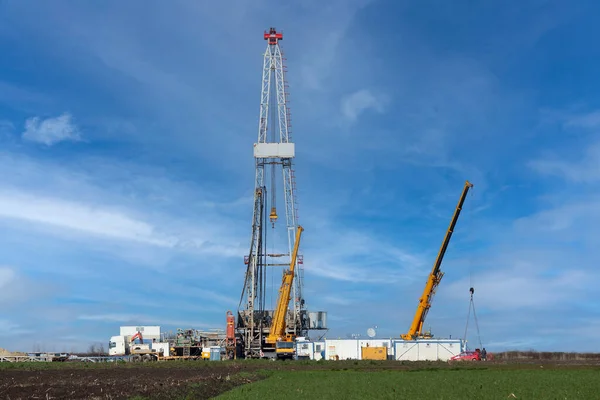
x=285, y=349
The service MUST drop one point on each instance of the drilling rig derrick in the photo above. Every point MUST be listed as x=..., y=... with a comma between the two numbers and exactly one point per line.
x=274, y=152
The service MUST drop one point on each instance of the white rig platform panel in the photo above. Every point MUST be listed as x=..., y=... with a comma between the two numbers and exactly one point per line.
x=274, y=150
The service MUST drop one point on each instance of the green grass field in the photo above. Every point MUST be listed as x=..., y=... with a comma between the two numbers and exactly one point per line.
x=259, y=379
x=458, y=383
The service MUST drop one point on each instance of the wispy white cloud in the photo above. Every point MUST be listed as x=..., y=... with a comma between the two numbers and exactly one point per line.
x=589, y=120
x=327, y=25
x=11, y=329
x=6, y=276
x=143, y=319
x=22, y=98
x=506, y=286
x=6, y=128
x=80, y=217
x=356, y=256
x=578, y=161
x=120, y=229
x=360, y=101
x=338, y=300
x=582, y=169
x=91, y=203
x=571, y=220
x=17, y=289
x=136, y=318
x=50, y=131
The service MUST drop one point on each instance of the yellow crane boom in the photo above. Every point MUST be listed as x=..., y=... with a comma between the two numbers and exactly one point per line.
x=277, y=331
x=435, y=276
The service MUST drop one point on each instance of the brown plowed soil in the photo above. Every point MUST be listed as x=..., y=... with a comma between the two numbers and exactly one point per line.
x=121, y=382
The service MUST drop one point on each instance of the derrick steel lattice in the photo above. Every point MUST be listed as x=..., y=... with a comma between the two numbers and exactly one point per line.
x=274, y=149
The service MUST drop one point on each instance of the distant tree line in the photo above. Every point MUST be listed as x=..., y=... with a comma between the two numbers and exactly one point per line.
x=96, y=349
x=545, y=355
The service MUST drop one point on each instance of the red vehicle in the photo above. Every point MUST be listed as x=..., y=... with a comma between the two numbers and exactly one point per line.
x=467, y=356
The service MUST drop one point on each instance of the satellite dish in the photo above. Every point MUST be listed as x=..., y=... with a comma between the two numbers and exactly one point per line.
x=371, y=332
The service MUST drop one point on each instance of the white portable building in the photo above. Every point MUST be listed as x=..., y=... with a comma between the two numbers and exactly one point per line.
x=427, y=349
x=148, y=332
x=305, y=350
x=342, y=349
x=319, y=352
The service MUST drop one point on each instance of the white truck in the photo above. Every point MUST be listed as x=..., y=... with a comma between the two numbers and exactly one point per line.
x=124, y=345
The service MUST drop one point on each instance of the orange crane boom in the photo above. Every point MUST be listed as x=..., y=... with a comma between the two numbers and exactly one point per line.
x=435, y=276
x=277, y=331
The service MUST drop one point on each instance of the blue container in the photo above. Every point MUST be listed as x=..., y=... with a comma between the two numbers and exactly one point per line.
x=215, y=354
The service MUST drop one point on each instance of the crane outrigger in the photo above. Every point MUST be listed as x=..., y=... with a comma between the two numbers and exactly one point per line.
x=435, y=277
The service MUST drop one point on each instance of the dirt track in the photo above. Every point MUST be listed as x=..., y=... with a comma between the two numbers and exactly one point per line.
x=179, y=380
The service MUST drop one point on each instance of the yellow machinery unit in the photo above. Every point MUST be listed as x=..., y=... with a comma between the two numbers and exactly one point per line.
x=373, y=353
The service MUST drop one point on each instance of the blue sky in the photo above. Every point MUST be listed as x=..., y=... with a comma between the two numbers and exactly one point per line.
x=127, y=169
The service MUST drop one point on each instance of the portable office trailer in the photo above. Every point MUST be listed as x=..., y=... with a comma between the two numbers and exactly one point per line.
x=351, y=349
x=319, y=350
x=427, y=349
x=305, y=350
x=342, y=349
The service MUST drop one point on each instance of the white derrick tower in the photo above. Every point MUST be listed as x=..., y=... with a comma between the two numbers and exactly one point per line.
x=273, y=152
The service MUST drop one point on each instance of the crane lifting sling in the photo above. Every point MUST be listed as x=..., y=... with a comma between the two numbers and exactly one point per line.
x=435, y=277
x=472, y=307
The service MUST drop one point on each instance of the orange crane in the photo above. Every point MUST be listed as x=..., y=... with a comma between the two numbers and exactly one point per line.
x=435, y=277
x=277, y=340
x=138, y=335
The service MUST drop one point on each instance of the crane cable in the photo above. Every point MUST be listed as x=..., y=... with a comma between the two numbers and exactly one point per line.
x=471, y=289
x=472, y=307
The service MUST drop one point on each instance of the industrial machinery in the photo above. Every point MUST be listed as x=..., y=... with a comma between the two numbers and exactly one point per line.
x=373, y=353
x=230, y=341
x=434, y=278
x=279, y=344
x=186, y=344
x=274, y=152
x=126, y=346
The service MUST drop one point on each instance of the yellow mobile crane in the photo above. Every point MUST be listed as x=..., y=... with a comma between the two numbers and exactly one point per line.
x=434, y=277
x=278, y=340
